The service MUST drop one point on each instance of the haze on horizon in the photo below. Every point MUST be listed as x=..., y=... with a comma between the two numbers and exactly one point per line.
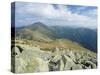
x=54, y=14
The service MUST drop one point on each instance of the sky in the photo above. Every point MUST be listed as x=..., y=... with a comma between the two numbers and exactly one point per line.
x=27, y=13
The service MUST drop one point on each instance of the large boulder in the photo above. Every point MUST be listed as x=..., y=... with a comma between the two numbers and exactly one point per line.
x=31, y=59
x=69, y=64
x=89, y=64
x=61, y=65
x=33, y=65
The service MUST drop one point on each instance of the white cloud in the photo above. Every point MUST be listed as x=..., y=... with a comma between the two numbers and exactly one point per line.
x=47, y=11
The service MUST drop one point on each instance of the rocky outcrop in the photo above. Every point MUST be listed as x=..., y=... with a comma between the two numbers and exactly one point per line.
x=32, y=59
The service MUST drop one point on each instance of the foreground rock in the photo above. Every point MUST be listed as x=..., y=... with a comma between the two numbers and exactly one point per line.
x=32, y=59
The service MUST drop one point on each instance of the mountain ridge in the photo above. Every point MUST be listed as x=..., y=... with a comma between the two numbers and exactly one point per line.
x=79, y=35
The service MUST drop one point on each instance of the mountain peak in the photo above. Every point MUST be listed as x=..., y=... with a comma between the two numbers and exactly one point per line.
x=38, y=24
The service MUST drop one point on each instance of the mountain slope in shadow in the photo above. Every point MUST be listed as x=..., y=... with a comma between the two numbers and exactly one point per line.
x=41, y=32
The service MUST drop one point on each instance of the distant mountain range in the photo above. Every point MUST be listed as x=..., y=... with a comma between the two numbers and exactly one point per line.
x=41, y=32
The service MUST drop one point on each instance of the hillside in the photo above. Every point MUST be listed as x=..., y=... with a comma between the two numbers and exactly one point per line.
x=84, y=36
x=58, y=55
x=41, y=32
x=38, y=48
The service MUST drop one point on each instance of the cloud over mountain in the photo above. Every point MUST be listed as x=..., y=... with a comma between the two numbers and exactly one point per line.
x=53, y=14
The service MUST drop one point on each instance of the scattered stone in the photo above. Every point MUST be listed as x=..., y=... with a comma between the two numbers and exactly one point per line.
x=33, y=59
x=68, y=63
x=90, y=64
x=61, y=65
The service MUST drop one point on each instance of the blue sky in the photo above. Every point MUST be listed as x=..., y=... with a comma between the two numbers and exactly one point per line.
x=53, y=14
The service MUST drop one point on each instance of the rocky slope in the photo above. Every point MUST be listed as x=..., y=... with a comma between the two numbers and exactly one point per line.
x=39, y=48
x=31, y=58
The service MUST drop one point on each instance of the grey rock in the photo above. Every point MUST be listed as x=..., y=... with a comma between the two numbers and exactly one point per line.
x=33, y=59
x=61, y=65
x=90, y=64
x=68, y=63
x=77, y=66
